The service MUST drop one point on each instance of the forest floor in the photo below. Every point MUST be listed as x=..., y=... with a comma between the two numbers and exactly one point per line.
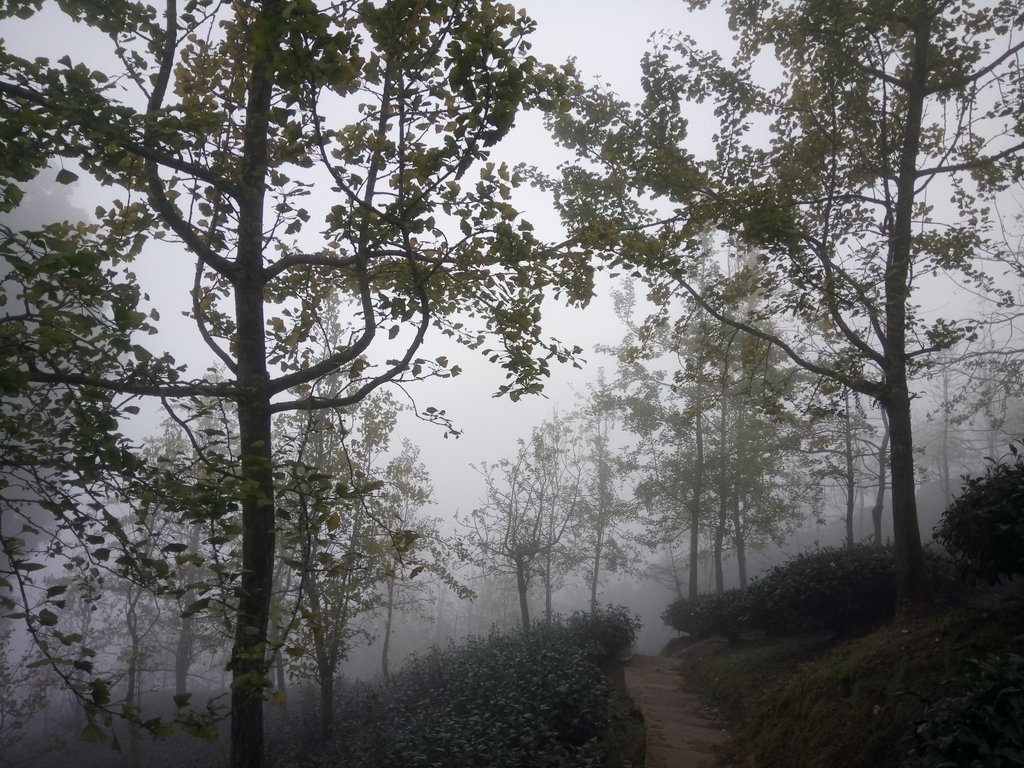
x=825, y=701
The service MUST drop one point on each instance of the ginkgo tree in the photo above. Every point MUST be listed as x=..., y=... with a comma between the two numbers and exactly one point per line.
x=856, y=150
x=278, y=152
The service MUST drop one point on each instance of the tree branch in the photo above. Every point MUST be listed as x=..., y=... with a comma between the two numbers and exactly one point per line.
x=967, y=165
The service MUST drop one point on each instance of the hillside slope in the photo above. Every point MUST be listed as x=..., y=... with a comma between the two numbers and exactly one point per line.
x=824, y=701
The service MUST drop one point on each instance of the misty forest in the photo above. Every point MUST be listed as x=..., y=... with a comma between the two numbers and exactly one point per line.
x=382, y=385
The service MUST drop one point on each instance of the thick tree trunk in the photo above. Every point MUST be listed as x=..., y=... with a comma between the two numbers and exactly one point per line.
x=913, y=587
x=248, y=660
x=249, y=654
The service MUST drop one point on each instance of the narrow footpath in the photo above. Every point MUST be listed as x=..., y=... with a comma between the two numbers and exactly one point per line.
x=681, y=733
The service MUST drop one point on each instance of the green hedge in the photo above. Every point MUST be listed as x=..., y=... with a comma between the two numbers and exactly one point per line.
x=838, y=589
x=725, y=614
x=984, y=526
x=519, y=700
x=844, y=590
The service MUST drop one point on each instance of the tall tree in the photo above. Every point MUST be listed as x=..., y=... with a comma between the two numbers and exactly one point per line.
x=717, y=458
x=844, y=450
x=873, y=111
x=213, y=127
x=419, y=560
x=558, y=488
x=529, y=504
x=601, y=540
x=668, y=416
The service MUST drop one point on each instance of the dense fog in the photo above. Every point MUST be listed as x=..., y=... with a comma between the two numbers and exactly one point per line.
x=337, y=338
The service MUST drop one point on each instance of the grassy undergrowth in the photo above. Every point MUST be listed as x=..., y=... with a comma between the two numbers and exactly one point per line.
x=824, y=701
x=625, y=742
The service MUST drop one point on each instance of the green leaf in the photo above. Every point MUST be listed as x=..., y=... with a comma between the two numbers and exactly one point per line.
x=195, y=606
x=93, y=734
x=64, y=176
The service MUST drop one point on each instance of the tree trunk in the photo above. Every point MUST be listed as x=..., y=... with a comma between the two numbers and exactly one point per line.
x=249, y=655
x=739, y=449
x=186, y=632
x=522, y=586
x=913, y=587
x=595, y=571
x=131, y=697
x=325, y=674
x=718, y=551
x=255, y=590
x=741, y=545
x=548, y=587
x=386, y=645
x=876, y=510
x=677, y=582
x=945, y=481
x=133, y=682
x=723, y=494
x=695, y=504
x=183, y=654
x=850, y=478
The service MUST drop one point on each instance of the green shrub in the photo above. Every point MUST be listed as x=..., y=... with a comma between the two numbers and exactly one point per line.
x=614, y=628
x=984, y=526
x=845, y=590
x=836, y=589
x=984, y=727
x=709, y=615
x=525, y=699
x=842, y=590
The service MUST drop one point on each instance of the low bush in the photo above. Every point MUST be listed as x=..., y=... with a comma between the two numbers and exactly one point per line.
x=983, y=727
x=838, y=589
x=614, y=628
x=709, y=615
x=536, y=698
x=984, y=526
x=844, y=590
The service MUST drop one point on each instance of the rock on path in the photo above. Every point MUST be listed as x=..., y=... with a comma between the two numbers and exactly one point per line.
x=681, y=733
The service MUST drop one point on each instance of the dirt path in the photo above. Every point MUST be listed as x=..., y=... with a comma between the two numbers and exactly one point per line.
x=681, y=733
